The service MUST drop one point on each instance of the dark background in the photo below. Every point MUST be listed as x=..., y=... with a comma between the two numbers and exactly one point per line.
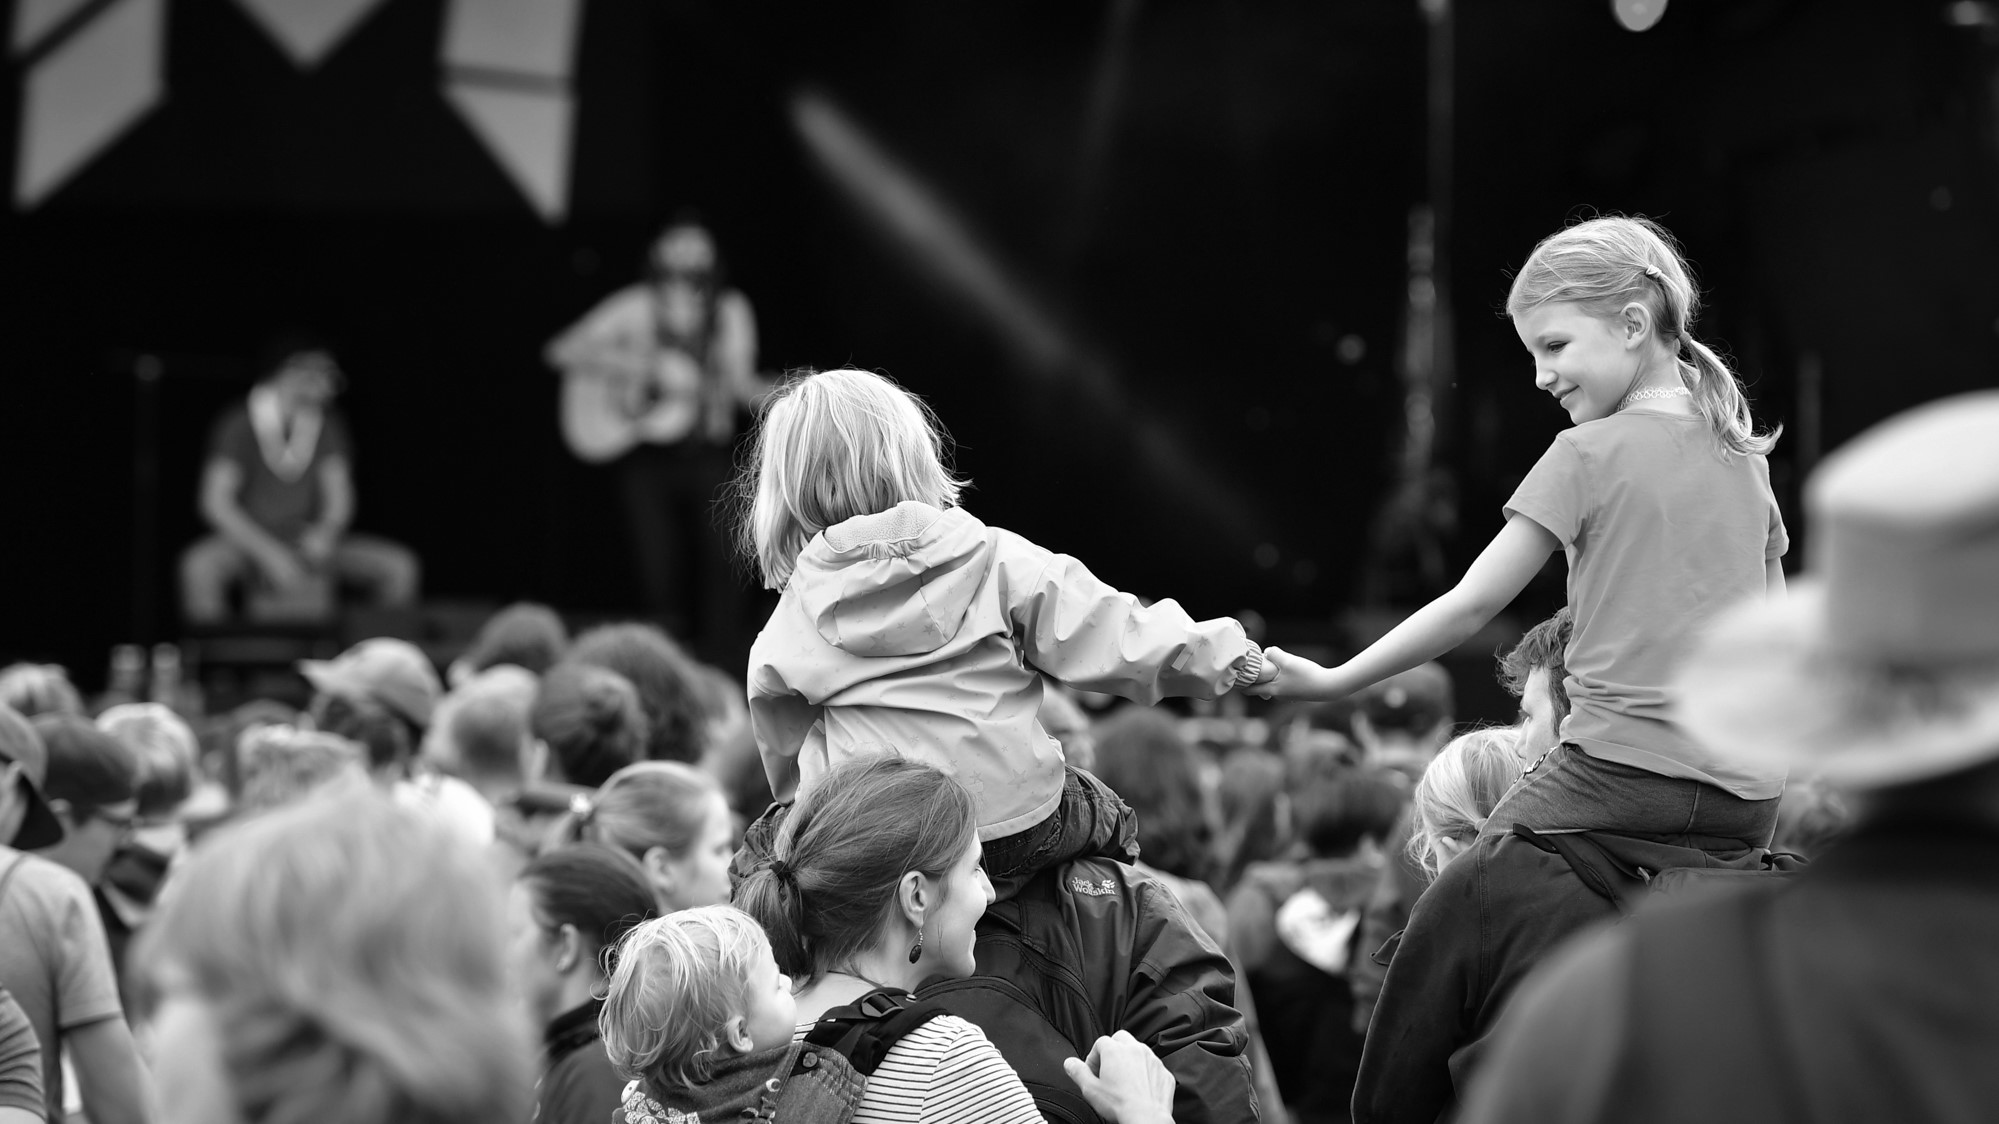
x=1207, y=201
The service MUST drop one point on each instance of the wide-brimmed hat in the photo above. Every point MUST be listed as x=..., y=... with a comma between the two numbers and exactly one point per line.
x=19, y=742
x=394, y=673
x=1881, y=665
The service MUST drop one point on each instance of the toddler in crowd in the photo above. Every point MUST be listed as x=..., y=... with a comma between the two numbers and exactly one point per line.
x=697, y=1017
x=907, y=625
x=1660, y=498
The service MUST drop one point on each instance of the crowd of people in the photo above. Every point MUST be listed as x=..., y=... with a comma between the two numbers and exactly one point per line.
x=944, y=851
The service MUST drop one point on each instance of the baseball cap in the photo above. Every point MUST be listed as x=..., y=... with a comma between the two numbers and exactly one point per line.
x=393, y=673
x=19, y=742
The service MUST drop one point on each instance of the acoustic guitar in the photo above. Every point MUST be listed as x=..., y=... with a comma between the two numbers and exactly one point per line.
x=617, y=401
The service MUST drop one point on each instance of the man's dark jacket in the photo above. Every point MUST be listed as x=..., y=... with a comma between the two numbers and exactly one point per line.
x=1493, y=914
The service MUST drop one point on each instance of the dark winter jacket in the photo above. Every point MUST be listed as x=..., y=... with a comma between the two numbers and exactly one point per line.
x=1492, y=915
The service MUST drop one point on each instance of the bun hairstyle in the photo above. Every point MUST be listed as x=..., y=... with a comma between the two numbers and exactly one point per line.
x=591, y=720
x=1606, y=263
x=667, y=679
x=1459, y=789
x=649, y=804
x=600, y=892
x=830, y=446
x=350, y=952
x=832, y=874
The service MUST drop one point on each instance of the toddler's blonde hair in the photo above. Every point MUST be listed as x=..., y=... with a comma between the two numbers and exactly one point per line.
x=679, y=980
x=1459, y=790
x=833, y=445
x=1606, y=263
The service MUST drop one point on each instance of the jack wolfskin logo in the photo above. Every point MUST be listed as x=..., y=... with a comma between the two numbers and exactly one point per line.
x=1105, y=888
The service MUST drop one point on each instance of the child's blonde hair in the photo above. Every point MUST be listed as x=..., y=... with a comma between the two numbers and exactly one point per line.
x=833, y=445
x=679, y=980
x=1606, y=263
x=1458, y=791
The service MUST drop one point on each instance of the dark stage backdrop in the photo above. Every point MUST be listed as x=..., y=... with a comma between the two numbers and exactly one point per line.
x=1196, y=213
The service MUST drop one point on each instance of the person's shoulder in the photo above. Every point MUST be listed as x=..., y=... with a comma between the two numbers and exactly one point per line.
x=44, y=880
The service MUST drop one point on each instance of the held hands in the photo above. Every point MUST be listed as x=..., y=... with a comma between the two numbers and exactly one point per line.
x=1124, y=1081
x=317, y=545
x=1295, y=677
x=281, y=568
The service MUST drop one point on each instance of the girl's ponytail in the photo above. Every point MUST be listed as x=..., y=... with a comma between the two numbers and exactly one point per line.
x=1720, y=400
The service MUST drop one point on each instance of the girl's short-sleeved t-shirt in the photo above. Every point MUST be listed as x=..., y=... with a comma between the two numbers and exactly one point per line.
x=1662, y=533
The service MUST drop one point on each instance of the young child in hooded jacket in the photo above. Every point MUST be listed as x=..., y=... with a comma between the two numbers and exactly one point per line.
x=905, y=625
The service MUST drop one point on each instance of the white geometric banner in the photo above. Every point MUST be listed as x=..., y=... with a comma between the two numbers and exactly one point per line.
x=528, y=133
x=531, y=38
x=507, y=67
x=89, y=89
x=34, y=19
x=308, y=30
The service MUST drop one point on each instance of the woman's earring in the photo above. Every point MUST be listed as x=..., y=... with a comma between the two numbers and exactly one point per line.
x=916, y=950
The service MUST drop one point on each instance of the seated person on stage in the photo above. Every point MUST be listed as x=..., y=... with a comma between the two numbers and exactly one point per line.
x=278, y=490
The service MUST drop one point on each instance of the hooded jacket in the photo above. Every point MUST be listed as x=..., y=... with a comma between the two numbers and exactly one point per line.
x=925, y=633
x=1491, y=917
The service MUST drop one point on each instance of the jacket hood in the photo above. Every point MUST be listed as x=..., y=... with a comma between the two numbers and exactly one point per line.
x=897, y=583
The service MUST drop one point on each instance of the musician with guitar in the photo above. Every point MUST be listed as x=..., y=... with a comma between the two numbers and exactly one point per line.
x=652, y=379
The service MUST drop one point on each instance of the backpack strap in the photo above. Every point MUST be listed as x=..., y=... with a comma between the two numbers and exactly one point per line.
x=865, y=1030
x=1596, y=868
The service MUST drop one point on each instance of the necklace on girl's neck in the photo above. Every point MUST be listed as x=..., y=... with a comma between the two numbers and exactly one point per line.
x=1645, y=393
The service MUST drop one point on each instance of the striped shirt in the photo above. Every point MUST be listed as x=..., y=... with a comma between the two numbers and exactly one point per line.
x=943, y=1072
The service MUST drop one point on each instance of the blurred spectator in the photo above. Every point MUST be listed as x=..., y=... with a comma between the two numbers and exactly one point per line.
x=1402, y=721
x=1811, y=816
x=1067, y=723
x=339, y=961
x=480, y=731
x=523, y=634
x=92, y=786
x=222, y=739
x=54, y=959
x=392, y=674
x=33, y=689
x=278, y=494
x=167, y=755
x=668, y=683
x=565, y=915
x=586, y=723
x=1533, y=672
x=1256, y=824
x=1294, y=926
x=385, y=739
x=1142, y=756
x=282, y=765
x=673, y=819
x=1861, y=988
x=1458, y=791
x=21, y=1098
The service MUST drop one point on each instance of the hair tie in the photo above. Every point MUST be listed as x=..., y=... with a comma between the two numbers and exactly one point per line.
x=784, y=872
x=1652, y=271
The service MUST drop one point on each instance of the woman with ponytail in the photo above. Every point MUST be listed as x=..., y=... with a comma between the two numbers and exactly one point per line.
x=855, y=901
x=336, y=961
x=673, y=819
x=1660, y=498
x=566, y=913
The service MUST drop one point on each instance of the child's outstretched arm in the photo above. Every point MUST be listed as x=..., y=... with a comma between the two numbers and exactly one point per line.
x=1501, y=571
